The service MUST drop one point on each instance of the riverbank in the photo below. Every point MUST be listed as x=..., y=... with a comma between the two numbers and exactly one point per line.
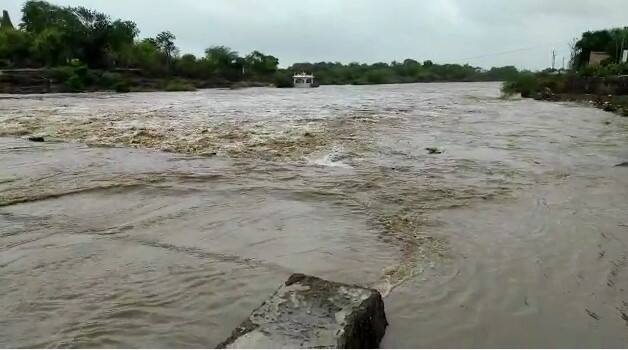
x=608, y=103
x=81, y=79
x=516, y=230
x=607, y=93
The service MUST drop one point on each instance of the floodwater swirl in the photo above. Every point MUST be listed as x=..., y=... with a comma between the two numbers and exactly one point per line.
x=163, y=219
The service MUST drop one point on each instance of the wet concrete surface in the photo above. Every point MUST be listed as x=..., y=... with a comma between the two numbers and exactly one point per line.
x=308, y=312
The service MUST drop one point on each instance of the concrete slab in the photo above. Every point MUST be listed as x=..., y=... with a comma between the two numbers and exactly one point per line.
x=309, y=312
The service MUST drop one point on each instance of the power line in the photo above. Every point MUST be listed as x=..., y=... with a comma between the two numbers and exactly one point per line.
x=500, y=53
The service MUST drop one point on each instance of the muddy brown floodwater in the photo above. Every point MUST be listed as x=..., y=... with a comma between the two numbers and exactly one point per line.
x=163, y=219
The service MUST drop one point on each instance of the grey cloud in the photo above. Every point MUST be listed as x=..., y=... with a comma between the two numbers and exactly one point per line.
x=460, y=31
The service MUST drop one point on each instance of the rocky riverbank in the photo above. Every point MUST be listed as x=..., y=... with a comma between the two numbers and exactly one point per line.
x=608, y=103
x=608, y=93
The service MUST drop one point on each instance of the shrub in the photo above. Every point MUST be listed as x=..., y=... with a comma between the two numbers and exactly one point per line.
x=61, y=74
x=554, y=82
x=282, y=80
x=75, y=83
x=122, y=86
x=179, y=85
x=115, y=81
x=526, y=83
x=74, y=77
x=379, y=76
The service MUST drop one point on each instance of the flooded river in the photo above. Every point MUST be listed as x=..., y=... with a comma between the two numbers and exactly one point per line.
x=163, y=219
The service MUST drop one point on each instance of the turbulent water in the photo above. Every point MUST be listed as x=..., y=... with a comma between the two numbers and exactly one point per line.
x=163, y=219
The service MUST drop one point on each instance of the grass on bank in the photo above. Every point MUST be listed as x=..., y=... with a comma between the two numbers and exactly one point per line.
x=179, y=85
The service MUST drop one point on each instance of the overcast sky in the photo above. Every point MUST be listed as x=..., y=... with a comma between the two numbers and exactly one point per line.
x=479, y=32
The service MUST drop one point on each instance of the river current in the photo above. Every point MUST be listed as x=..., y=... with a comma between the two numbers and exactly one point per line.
x=164, y=219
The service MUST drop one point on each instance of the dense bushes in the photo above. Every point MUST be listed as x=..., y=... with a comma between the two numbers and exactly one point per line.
x=528, y=83
x=602, y=78
x=178, y=85
x=524, y=83
x=604, y=70
x=79, y=44
x=610, y=41
x=408, y=71
x=74, y=77
x=56, y=36
x=282, y=79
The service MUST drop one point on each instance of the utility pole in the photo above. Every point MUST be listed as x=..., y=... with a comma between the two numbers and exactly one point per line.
x=621, y=51
x=563, y=63
x=553, y=59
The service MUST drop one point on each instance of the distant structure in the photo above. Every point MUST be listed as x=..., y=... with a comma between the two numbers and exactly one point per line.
x=303, y=80
x=5, y=22
x=596, y=57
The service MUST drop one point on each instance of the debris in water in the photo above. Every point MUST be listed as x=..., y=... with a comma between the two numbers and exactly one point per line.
x=592, y=314
x=36, y=138
x=433, y=150
x=624, y=316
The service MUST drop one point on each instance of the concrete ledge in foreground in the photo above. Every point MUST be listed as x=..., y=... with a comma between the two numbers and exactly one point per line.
x=308, y=312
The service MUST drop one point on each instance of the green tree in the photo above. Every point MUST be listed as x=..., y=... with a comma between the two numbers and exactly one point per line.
x=39, y=15
x=92, y=36
x=608, y=41
x=221, y=56
x=187, y=66
x=260, y=64
x=148, y=56
x=502, y=73
x=49, y=48
x=80, y=32
x=379, y=76
x=15, y=48
x=121, y=39
x=165, y=42
x=224, y=62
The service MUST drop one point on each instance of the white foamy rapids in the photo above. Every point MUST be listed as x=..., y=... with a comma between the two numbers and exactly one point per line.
x=334, y=158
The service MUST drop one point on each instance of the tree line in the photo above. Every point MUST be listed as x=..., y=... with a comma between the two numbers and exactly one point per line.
x=408, y=71
x=51, y=36
x=610, y=41
x=603, y=78
x=75, y=40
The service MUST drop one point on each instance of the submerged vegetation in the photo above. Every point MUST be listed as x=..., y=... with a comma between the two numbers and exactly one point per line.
x=83, y=49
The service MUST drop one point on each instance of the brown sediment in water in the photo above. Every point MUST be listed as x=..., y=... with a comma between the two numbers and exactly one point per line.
x=40, y=191
x=11, y=199
x=517, y=224
x=236, y=141
x=270, y=142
